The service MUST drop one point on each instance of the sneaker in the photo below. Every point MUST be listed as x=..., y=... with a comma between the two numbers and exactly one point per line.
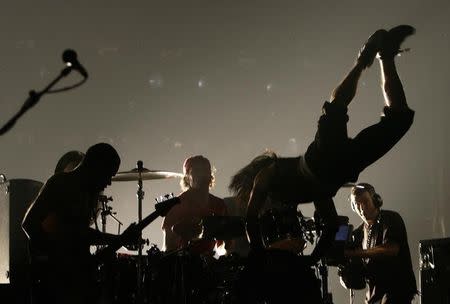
x=394, y=38
x=370, y=49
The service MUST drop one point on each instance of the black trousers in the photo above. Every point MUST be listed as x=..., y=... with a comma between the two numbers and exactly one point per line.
x=336, y=159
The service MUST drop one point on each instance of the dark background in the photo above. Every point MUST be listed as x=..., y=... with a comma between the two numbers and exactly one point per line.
x=227, y=80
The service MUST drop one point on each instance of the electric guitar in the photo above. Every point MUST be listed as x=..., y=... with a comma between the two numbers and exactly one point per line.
x=162, y=207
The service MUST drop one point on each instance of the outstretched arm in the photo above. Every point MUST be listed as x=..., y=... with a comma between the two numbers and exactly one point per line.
x=381, y=251
x=394, y=234
x=96, y=237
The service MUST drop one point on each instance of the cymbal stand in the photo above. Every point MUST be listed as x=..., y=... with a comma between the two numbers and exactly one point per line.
x=107, y=210
x=140, y=196
x=322, y=267
x=327, y=297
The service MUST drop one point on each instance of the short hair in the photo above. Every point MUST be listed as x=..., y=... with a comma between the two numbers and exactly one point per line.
x=360, y=188
x=241, y=183
x=102, y=155
x=72, y=157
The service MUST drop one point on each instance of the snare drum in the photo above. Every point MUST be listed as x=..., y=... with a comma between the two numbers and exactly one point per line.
x=281, y=229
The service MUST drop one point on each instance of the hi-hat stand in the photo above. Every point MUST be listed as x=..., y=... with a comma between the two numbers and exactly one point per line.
x=140, y=196
x=327, y=297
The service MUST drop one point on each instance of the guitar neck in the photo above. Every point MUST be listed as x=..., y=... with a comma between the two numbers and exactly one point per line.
x=114, y=246
x=161, y=210
x=147, y=220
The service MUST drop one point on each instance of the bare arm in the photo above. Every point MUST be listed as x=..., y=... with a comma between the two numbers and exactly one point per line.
x=96, y=237
x=40, y=220
x=170, y=241
x=32, y=224
x=380, y=251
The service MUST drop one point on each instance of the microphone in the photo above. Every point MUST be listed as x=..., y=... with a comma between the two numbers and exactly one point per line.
x=70, y=58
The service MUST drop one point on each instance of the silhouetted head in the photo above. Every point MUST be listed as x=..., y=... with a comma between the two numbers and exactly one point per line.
x=100, y=164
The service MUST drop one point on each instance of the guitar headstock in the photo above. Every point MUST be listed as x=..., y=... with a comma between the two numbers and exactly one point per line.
x=165, y=202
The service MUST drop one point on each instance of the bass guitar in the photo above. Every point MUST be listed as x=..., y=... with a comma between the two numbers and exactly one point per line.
x=161, y=209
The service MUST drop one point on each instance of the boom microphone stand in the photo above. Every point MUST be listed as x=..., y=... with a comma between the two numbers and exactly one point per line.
x=34, y=97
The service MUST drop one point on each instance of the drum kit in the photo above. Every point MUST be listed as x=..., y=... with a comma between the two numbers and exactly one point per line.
x=124, y=275
x=158, y=277
x=183, y=277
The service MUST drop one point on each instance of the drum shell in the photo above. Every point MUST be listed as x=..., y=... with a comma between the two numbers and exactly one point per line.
x=281, y=229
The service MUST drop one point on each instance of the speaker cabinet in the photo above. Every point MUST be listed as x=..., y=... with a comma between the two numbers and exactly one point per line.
x=435, y=271
x=16, y=196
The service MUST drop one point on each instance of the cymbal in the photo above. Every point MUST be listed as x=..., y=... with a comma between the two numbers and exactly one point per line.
x=146, y=174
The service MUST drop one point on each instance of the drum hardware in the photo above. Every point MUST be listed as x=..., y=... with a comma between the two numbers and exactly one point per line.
x=181, y=277
x=321, y=266
x=335, y=253
x=222, y=227
x=139, y=174
x=308, y=228
x=140, y=196
x=161, y=209
x=322, y=269
x=144, y=174
x=281, y=229
x=107, y=210
x=135, y=246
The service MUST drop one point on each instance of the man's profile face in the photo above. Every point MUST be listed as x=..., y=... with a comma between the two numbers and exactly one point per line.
x=364, y=206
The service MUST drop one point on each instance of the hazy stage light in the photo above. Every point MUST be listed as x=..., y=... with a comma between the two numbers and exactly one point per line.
x=201, y=83
x=156, y=81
